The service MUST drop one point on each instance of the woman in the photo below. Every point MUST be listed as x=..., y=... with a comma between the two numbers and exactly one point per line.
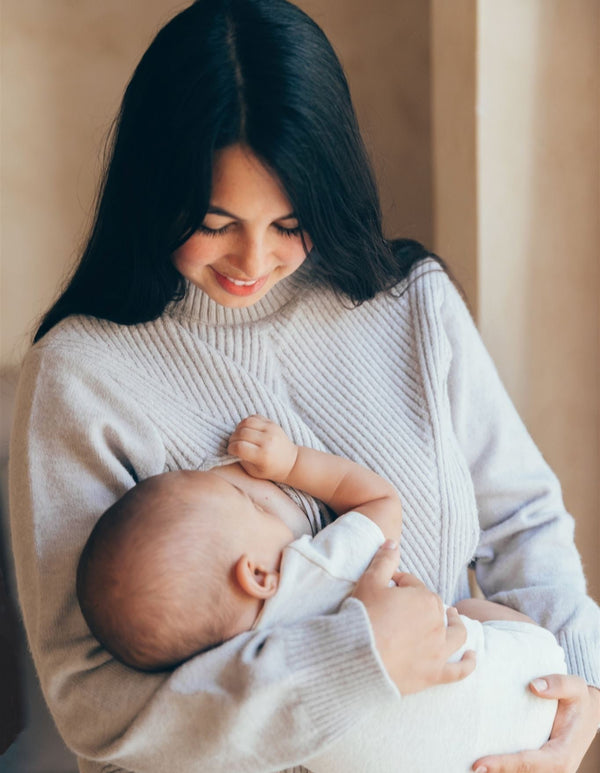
x=237, y=265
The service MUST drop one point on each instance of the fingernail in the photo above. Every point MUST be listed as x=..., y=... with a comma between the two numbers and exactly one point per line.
x=390, y=544
x=540, y=684
x=481, y=769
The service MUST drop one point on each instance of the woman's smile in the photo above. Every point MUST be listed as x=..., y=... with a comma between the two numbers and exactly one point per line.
x=240, y=287
x=250, y=238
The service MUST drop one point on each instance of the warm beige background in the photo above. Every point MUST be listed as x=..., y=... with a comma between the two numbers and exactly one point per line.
x=482, y=118
x=516, y=159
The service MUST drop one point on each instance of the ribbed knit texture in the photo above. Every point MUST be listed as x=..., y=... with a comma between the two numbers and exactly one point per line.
x=401, y=384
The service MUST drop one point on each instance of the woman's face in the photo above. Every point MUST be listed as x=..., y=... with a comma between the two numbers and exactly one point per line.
x=250, y=237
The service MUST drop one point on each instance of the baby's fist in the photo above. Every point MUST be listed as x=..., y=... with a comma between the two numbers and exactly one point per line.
x=263, y=448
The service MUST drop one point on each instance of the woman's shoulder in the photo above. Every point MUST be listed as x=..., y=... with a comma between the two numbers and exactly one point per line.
x=428, y=275
x=432, y=292
x=422, y=292
x=73, y=333
x=83, y=337
x=78, y=348
x=76, y=375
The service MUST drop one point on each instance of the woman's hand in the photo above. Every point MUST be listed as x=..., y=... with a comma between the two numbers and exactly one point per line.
x=575, y=725
x=408, y=623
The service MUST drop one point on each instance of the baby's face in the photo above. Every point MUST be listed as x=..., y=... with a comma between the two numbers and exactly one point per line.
x=269, y=496
x=258, y=528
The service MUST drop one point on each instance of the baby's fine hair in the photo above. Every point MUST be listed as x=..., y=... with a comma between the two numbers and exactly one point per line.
x=150, y=580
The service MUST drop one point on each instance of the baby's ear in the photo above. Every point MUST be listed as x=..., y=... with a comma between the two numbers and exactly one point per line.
x=254, y=579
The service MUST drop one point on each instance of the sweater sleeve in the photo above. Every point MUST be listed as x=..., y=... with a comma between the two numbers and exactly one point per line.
x=526, y=557
x=262, y=701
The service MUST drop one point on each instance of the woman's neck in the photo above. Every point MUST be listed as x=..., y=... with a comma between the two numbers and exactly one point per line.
x=199, y=307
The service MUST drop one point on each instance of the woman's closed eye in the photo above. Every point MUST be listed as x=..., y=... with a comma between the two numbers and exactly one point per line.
x=287, y=232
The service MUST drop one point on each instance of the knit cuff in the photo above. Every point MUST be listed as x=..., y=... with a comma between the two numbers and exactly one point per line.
x=348, y=677
x=582, y=654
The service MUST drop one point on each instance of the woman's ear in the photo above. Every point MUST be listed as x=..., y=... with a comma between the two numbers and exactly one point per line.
x=254, y=579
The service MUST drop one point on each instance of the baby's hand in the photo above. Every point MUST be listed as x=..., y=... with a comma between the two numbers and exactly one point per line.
x=264, y=450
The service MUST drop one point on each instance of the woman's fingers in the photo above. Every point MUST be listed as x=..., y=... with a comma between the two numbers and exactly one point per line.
x=521, y=762
x=573, y=730
x=454, y=672
x=548, y=759
x=409, y=626
x=562, y=687
x=456, y=633
x=405, y=580
x=383, y=566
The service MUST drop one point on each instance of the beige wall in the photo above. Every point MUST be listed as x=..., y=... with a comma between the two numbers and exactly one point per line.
x=454, y=139
x=64, y=67
x=385, y=52
x=517, y=199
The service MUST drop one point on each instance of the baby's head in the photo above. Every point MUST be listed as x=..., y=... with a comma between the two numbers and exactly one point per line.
x=183, y=561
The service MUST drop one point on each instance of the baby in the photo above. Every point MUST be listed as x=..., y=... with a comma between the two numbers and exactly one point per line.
x=188, y=559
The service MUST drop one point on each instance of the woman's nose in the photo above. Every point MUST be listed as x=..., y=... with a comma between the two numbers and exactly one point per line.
x=251, y=258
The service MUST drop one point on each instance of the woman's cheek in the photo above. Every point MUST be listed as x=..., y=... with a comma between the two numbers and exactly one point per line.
x=193, y=254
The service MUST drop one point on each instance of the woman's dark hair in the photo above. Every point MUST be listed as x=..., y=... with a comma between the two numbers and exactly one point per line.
x=256, y=72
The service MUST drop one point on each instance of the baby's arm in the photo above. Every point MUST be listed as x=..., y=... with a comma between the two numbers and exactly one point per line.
x=483, y=610
x=266, y=452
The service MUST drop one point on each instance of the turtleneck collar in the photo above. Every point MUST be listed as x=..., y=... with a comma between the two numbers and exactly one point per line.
x=199, y=307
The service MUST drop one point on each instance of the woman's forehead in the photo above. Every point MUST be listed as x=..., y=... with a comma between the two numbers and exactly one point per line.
x=242, y=184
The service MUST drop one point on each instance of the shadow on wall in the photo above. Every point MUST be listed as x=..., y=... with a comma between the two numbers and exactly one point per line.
x=29, y=741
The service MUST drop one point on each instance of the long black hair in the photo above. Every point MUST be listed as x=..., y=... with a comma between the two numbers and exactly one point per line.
x=256, y=72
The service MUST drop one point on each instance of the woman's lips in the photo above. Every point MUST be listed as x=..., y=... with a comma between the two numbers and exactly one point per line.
x=240, y=286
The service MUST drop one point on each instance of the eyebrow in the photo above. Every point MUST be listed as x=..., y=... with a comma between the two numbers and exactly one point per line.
x=219, y=211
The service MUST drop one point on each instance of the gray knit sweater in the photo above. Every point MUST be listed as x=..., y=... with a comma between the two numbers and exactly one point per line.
x=401, y=384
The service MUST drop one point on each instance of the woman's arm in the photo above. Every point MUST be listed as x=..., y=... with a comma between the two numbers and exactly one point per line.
x=526, y=558
x=259, y=702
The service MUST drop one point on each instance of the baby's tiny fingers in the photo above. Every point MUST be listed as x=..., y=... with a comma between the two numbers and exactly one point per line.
x=256, y=421
x=250, y=435
x=243, y=449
